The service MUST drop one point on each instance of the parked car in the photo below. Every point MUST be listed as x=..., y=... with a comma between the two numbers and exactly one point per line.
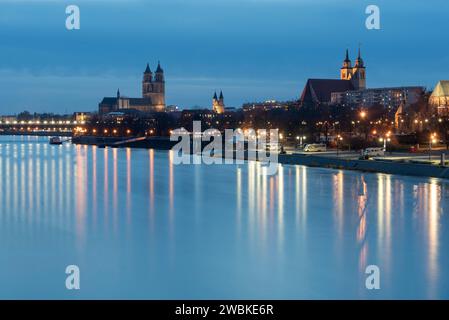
x=315, y=147
x=373, y=152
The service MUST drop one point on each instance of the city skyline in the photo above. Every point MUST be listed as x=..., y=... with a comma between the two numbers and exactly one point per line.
x=269, y=55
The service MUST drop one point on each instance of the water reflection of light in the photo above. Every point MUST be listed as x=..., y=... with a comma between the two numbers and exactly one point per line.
x=1, y=188
x=37, y=182
x=261, y=215
x=263, y=200
x=280, y=205
x=433, y=216
x=80, y=193
x=251, y=197
x=338, y=200
x=60, y=179
x=94, y=183
x=15, y=187
x=115, y=194
x=30, y=191
x=151, y=186
x=105, y=183
x=171, y=186
x=7, y=179
x=128, y=184
x=239, y=198
x=361, y=228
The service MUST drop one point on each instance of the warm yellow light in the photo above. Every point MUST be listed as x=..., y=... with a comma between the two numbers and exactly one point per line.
x=105, y=131
x=363, y=114
x=128, y=131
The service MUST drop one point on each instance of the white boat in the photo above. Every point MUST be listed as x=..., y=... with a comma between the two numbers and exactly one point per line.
x=55, y=140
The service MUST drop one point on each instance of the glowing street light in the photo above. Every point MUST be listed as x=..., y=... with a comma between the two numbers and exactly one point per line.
x=385, y=140
x=432, y=140
x=339, y=138
x=363, y=114
x=301, y=139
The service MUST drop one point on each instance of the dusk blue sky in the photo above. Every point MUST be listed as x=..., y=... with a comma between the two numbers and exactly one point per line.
x=253, y=50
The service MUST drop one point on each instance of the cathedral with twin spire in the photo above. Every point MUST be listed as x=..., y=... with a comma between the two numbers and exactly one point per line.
x=152, y=100
x=356, y=74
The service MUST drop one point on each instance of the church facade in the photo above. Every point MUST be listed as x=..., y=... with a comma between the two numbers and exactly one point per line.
x=350, y=90
x=218, y=105
x=356, y=74
x=152, y=100
x=352, y=78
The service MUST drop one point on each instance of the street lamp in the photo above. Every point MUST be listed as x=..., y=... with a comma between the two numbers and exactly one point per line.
x=432, y=140
x=363, y=114
x=300, y=138
x=385, y=140
x=339, y=138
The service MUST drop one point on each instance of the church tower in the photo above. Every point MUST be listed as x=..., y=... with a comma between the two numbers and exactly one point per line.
x=346, y=70
x=154, y=88
x=359, y=74
x=218, y=103
x=159, y=88
x=147, y=85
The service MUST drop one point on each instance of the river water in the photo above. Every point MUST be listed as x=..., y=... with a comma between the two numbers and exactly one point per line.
x=140, y=227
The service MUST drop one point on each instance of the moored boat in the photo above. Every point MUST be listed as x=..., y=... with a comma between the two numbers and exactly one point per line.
x=55, y=141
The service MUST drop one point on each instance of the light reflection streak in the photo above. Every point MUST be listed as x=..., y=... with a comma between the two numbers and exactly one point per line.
x=280, y=205
x=151, y=187
x=361, y=228
x=239, y=199
x=338, y=200
x=114, y=189
x=434, y=198
x=94, y=184
x=80, y=206
x=105, y=185
x=171, y=193
x=128, y=185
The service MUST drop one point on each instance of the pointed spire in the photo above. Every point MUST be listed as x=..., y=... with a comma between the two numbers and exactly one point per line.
x=221, y=95
x=159, y=69
x=347, y=56
x=215, y=96
x=118, y=93
x=148, y=70
x=359, y=61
